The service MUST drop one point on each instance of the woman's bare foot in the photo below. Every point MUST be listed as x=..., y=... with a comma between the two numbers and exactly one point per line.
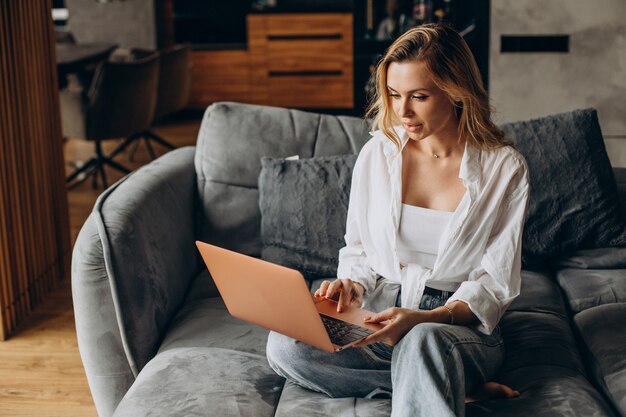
x=490, y=390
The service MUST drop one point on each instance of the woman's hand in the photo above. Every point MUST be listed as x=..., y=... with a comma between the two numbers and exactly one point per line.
x=399, y=322
x=350, y=292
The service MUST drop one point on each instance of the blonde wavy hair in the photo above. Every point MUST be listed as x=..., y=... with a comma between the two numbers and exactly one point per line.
x=453, y=70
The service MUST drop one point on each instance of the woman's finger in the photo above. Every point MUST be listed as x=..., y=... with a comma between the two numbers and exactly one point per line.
x=333, y=288
x=344, y=297
x=382, y=316
x=378, y=336
x=321, y=291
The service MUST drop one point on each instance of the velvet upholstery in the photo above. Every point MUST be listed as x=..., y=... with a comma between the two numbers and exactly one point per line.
x=603, y=330
x=573, y=203
x=135, y=273
x=206, y=356
x=156, y=339
x=539, y=294
x=233, y=138
x=586, y=288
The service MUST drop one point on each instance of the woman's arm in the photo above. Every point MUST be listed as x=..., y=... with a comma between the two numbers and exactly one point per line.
x=353, y=263
x=401, y=320
x=490, y=288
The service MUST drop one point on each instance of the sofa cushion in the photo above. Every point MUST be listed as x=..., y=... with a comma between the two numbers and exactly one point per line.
x=573, y=203
x=232, y=140
x=185, y=382
x=209, y=363
x=298, y=401
x=538, y=339
x=586, y=288
x=540, y=294
x=541, y=361
x=303, y=206
x=204, y=321
x=603, y=331
x=598, y=258
x=546, y=391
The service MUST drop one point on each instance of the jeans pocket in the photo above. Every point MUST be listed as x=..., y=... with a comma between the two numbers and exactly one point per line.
x=431, y=302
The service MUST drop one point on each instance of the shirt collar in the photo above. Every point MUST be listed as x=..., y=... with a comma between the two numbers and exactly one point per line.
x=470, y=163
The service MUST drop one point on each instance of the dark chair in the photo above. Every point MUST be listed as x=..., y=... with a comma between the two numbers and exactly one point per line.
x=173, y=93
x=120, y=104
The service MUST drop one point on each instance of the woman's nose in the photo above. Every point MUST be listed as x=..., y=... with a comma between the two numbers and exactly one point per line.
x=405, y=108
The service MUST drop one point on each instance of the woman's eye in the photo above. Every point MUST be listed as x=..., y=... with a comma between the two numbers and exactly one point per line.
x=420, y=98
x=394, y=95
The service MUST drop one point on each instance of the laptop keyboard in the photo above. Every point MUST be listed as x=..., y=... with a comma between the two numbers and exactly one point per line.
x=341, y=332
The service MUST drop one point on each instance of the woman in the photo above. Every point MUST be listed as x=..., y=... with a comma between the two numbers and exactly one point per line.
x=433, y=239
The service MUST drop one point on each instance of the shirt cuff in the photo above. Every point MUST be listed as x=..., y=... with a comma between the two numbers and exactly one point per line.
x=481, y=302
x=361, y=274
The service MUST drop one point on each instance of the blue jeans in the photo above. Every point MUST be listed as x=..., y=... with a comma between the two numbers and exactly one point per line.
x=429, y=371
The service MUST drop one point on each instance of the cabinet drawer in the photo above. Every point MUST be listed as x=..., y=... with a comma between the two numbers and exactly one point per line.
x=307, y=55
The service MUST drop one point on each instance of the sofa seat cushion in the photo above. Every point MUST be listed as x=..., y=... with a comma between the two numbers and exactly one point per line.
x=603, y=331
x=538, y=339
x=586, y=288
x=541, y=361
x=218, y=382
x=540, y=294
x=298, y=401
x=545, y=391
x=204, y=321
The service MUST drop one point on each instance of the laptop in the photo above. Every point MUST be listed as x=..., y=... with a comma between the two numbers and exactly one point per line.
x=278, y=298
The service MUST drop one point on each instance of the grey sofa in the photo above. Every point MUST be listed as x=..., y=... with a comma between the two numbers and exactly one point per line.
x=156, y=339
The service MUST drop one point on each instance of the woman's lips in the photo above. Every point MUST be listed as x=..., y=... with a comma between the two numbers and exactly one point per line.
x=412, y=127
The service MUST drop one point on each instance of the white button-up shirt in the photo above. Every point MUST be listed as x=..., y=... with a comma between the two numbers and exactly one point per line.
x=479, y=252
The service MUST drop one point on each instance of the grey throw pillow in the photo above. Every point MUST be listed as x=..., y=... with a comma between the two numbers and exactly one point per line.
x=573, y=196
x=304, y=204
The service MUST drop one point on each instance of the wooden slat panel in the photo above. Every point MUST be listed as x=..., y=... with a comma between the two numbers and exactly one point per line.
x=219, y=75
x=34, y=225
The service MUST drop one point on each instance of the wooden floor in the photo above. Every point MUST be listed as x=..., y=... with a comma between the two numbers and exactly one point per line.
x=41, y=373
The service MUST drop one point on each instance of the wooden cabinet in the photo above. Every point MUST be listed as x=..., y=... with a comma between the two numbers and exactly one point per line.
x=219, y=76
x=292, y=60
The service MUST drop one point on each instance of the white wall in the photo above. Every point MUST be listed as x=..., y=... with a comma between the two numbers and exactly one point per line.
x=592, y=74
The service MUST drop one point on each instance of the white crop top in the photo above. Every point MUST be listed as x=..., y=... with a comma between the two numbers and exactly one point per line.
x=420, y=230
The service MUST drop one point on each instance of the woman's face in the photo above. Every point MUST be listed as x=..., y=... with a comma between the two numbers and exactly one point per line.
x=423, y=108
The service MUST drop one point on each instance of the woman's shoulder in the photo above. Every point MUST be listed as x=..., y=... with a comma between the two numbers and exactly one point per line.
x=506, y=156
x=376, y=145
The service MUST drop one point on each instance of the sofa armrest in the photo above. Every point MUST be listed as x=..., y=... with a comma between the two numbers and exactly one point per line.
x=132, y=264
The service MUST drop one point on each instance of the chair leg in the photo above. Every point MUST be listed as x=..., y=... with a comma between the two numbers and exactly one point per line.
x=88, y=165
x=158, y=139
x=149, y=148
x=108, y=161
x=103, y=177
x=124, y=144
x=132, y=150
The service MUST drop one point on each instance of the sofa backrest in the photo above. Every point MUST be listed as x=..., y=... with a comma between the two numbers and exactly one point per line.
x=232, y=140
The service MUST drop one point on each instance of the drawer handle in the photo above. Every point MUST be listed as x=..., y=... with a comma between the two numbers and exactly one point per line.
x=302, y=37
